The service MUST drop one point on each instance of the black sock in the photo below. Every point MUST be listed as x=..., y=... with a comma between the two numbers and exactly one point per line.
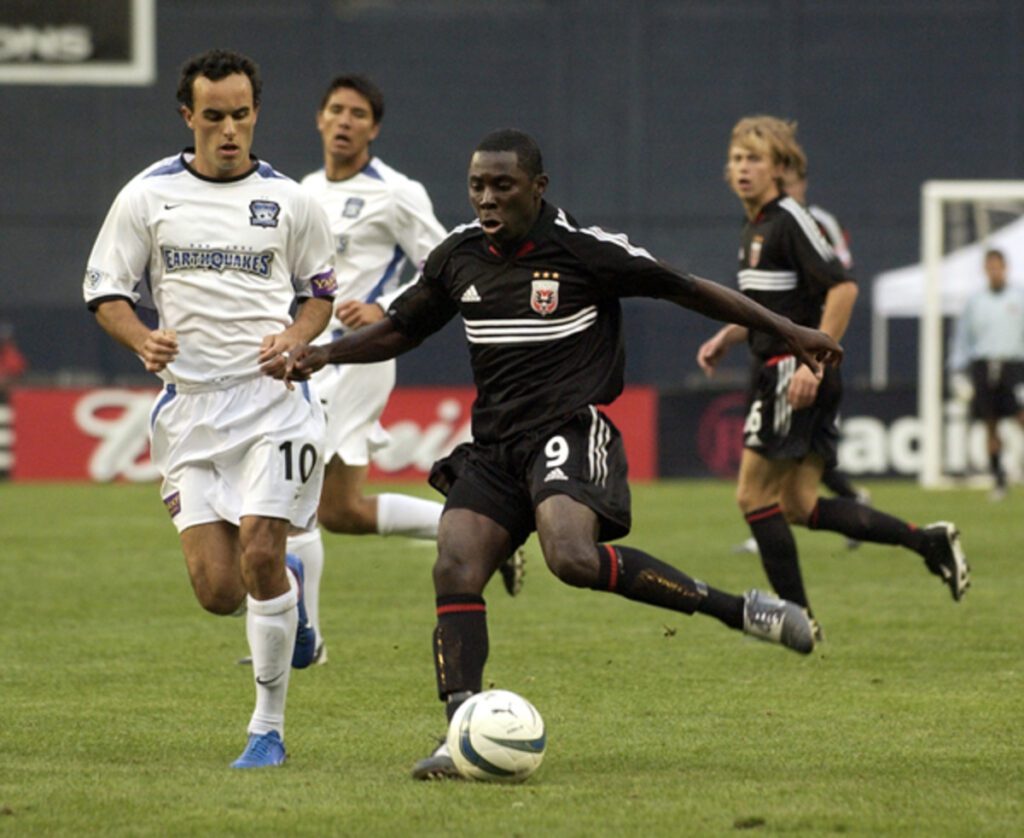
x=639, y=576
x=995, y=462
x=863, y=523
x=460, y=644
x=839, y=484
x=778, y=552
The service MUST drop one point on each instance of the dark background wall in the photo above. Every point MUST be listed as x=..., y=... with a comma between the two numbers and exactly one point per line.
x=632, y=103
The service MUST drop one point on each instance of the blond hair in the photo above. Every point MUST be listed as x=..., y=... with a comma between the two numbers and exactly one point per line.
x=773, y=137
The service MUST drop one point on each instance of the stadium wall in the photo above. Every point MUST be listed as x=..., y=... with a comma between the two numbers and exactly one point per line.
x=101, y=434
x=632, y=103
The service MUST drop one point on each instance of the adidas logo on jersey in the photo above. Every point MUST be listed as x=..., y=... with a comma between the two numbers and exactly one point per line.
x=555, y=474
x=470, y=295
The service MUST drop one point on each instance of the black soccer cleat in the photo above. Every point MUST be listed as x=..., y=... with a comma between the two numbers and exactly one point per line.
x=513, y=571
x=438, y=766
x=944, y=556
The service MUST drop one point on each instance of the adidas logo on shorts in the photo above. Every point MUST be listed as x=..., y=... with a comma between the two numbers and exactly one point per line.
x=555, y=474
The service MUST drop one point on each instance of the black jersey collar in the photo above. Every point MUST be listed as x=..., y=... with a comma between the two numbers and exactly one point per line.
x=191, y=170
x=772, y=204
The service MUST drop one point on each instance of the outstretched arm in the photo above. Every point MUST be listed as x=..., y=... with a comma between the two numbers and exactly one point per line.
x=810, y=346
x=377, y=342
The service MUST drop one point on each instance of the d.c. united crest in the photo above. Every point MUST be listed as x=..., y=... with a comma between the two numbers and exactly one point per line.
x=755, y=250
x=544, y=296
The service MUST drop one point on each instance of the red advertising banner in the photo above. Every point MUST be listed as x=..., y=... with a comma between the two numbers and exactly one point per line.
x=102, y=434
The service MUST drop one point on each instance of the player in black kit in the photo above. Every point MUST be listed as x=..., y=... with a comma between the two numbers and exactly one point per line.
x=539, y=297
x=791, y=433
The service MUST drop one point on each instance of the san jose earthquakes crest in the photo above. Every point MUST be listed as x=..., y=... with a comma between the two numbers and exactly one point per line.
x=264, y=213
x=544, y=293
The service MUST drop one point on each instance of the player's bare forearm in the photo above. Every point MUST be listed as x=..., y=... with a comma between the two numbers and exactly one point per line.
x=838, y=309
x=156, y=347
x=810, y=346
x=379, y=341
x=311, y=319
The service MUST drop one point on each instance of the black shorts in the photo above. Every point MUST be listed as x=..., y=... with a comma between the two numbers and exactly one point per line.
x=584, y=458
x=776, y=431
x=998, y=388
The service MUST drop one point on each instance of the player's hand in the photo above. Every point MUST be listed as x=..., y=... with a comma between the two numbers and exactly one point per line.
x=813, y=348
x=304, y=361
x=354, y=314
x=710, y=353
x=159, y=349
x=275, y=352
x=803, y=388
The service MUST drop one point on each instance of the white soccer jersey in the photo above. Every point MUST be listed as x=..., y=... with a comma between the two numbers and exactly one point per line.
x=222, y=261
x=380, y=219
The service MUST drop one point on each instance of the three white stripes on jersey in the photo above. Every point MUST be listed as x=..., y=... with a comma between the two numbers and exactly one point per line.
x=752, y=279
x=530, y=330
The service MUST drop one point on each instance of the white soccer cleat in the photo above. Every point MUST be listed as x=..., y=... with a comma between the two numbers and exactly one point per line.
x=775, y=620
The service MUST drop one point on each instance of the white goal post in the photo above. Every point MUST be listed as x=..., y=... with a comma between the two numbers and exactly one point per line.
x=936, y=197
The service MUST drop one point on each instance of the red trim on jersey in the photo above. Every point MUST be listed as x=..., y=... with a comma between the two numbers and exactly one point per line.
x=764, y=512
x=525, y=248
x=812, y=522
x=613, y=567
x=776, y=359
x=460, y=608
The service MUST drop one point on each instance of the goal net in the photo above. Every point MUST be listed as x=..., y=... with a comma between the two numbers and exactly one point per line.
x=960, y=220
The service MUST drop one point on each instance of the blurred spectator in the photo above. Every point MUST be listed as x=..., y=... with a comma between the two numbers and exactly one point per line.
x=12, y=362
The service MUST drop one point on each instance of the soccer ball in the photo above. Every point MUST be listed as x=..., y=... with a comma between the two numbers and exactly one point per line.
x=497, y=735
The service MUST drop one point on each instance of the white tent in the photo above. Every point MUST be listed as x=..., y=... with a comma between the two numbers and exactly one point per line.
x=901, y=291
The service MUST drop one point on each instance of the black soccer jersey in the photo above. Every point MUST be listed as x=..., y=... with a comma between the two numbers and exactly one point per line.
x=788, y=266
x=544, y=324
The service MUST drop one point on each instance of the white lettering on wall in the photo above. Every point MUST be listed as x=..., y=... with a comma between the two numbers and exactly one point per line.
x=119, y=419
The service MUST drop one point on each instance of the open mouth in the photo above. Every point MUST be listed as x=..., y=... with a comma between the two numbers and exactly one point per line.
x=490, y=225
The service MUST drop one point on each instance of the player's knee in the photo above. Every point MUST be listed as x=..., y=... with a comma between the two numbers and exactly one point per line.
x=572, y=561
x=222, y=601
x=458, y=573
x=347, y=517
x=746, y=499
x=795, y=512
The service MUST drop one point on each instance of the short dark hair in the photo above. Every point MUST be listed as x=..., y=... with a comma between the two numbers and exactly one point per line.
x=995, y=253
x=361, y=85
x=217, y=64
x=526, y=149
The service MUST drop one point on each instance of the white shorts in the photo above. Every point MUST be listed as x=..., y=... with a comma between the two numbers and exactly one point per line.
x=354, y=397
x=255, y=448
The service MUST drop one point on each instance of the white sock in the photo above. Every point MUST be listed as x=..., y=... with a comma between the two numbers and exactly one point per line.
x=409, y=516
x=270, y=626
x=309, y=546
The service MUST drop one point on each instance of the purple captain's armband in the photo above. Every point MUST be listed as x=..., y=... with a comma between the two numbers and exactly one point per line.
x=325, y=284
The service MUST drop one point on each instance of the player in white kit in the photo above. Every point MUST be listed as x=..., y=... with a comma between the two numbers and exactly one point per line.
x=381, y=221
x=223, y=244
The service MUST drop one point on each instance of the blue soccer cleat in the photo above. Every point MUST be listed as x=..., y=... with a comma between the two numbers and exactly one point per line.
x=305, y=637
x=263, y=750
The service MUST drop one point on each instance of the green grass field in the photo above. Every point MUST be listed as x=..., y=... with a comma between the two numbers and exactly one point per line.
x=121, y=704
